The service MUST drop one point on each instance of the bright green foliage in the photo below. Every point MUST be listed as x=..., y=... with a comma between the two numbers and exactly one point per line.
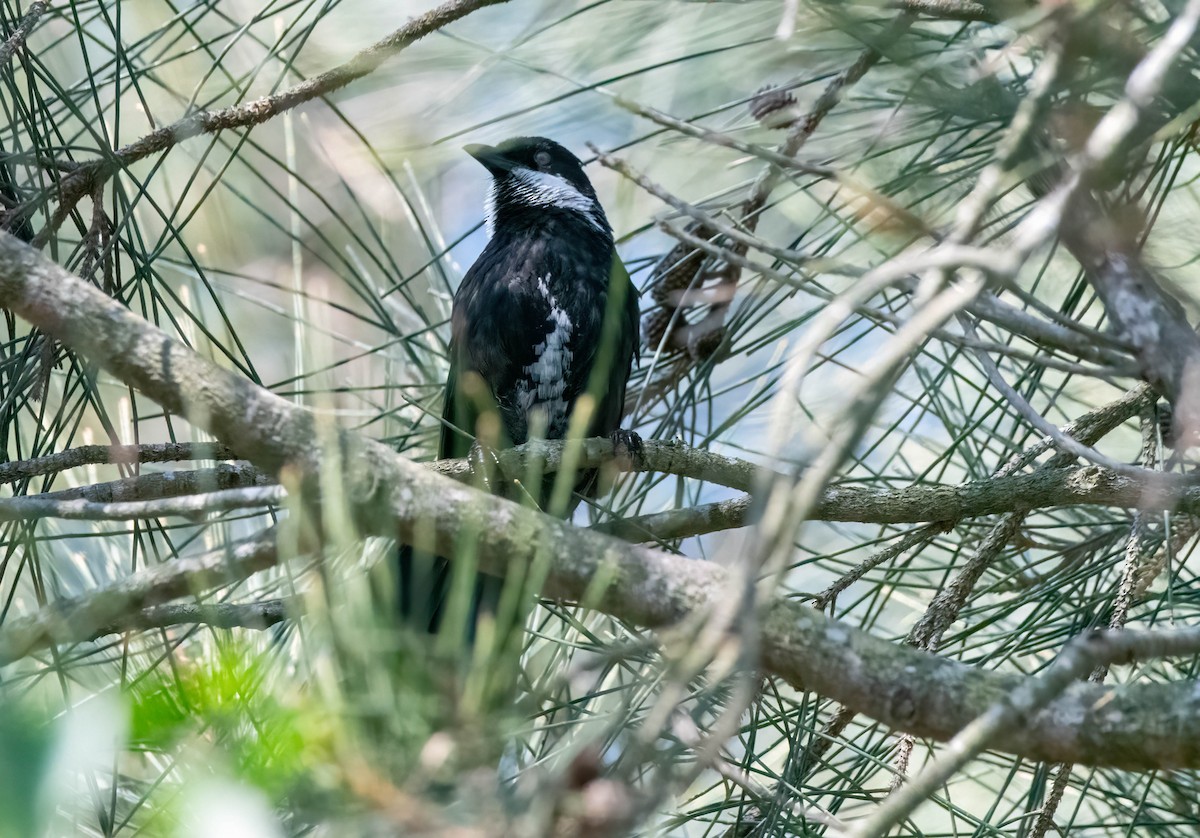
x=27, y=749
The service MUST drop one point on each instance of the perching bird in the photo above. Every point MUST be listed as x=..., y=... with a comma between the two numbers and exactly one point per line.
x=546, y=314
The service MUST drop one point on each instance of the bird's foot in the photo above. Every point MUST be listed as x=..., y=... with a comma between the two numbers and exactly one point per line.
x=628, y=450
x=485, y=464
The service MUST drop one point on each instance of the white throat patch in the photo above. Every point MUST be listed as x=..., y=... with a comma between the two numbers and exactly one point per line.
x=542, y=189
x=489, y=211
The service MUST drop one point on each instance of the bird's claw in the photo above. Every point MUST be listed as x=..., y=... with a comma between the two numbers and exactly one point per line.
x=627, y=449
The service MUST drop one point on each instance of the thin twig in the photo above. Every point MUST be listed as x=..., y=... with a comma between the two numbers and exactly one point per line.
x=38, y=507
x=1061, y=441
x=157, y=485
x=1142, y=726
x=204, y=490
x=251, y=615
x=86, y=616
x=1120, y=614
x=786, y=163
x=987, y=307
x=164, y=452
x=19, y=35
x=963, y=10
x=916, y=538
x=86, y=176
x=686, y=730
x=1078, y=658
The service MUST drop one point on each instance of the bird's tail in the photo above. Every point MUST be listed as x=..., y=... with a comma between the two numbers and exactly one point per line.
x=424, y=589
x=427, y=584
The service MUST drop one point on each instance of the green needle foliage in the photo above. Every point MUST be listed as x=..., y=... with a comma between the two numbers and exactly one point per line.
x=316, y=254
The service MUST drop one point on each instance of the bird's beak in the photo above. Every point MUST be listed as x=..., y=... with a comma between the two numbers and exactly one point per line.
x=492, y=158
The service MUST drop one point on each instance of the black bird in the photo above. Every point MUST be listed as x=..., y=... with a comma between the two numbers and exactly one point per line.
x=545, y=315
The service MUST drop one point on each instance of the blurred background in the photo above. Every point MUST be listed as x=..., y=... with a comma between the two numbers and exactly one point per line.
x=317, y=254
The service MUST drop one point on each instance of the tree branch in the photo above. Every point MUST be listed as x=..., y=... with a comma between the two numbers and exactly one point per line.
x=1165, y=343
x=117, y=607
x=1140, y=726
x=666, y=457
x=84, y=178
x=159, y=484
x=252, y=615
x=964, y=10
x=991, y=11
x=17, y=39
x=37, y=507
x=166, y=452
x=1008, y=712
x=237, y=486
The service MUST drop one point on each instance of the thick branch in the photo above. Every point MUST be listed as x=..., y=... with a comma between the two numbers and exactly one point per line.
x=1139, y=726
x=1044, y=489
x=1145, y=315
x=1009, y=712
x=949, y=10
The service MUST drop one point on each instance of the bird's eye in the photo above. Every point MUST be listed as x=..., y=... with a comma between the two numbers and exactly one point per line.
x=542, y=158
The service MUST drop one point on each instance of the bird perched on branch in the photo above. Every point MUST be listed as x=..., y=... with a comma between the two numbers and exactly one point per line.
x=544, y=329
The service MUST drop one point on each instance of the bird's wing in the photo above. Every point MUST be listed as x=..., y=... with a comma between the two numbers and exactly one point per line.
x=612, y=355
x=614, y=346
x=457, y=428
x=497, y=322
